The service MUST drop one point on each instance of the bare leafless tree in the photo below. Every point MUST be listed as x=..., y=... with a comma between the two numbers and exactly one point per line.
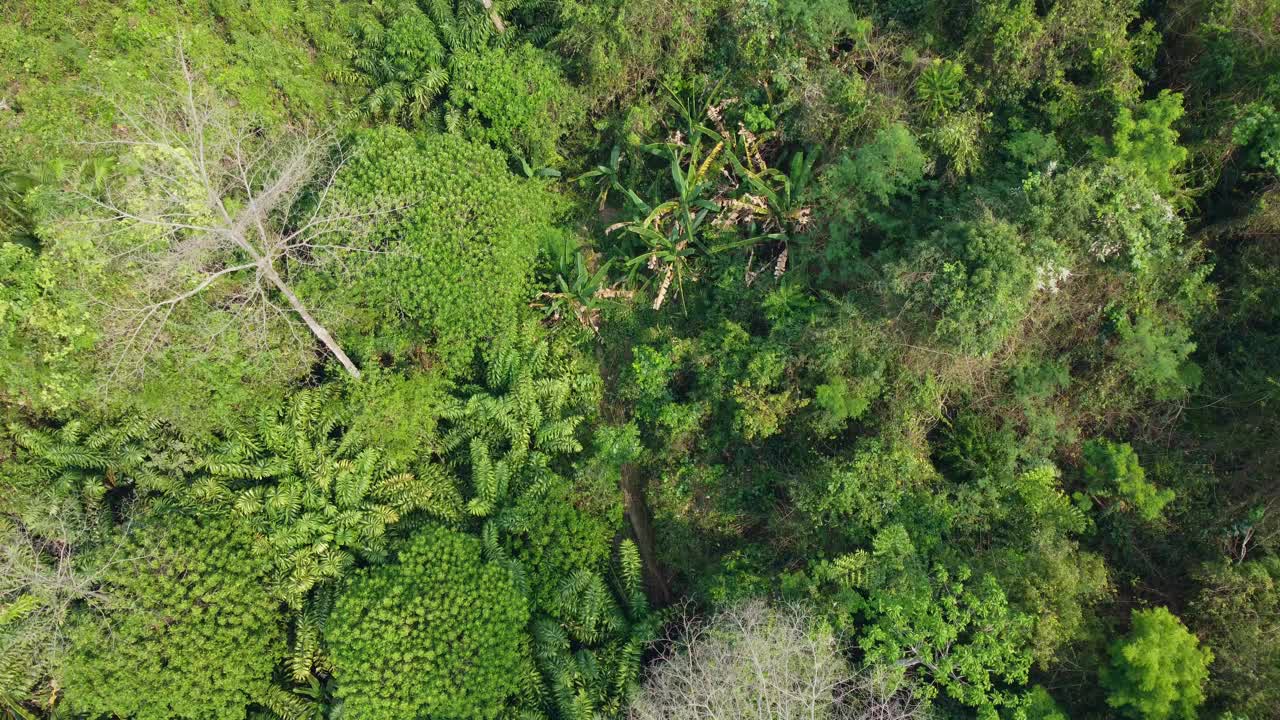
x=40, y=580
x=763, y=663
x=205, y=204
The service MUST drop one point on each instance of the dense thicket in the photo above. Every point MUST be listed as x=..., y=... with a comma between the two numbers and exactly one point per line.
x=589, y=359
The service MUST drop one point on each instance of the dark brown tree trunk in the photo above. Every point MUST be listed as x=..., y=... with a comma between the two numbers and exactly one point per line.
x=637, y=511
x=634, y=505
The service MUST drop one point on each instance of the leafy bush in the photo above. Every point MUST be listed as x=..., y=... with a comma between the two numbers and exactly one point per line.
x=1157, y=354
x=589, y=640
x=864, y=181
x=618, y=49
x=1158, y=670
x=1073, y=65
x=39, y=338
x=458, y=240
x=516, y=99
x=976, y=284
x=1237, y=612
x=438, y=632
x=446, y=64
x=1148, y=143
x=858, y=192
x=863, y=494
x=1258, y=135
x=1111, y=470
x=182, y=598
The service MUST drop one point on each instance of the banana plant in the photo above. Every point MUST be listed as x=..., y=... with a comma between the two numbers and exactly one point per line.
x=773, y=207
x=671, y=231
x=582, y=289
x=725, y=197
x=607, y=177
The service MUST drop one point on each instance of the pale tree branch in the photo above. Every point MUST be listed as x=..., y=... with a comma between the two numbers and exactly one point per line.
x=494, y=18
x=762, y=662
x=205, y=198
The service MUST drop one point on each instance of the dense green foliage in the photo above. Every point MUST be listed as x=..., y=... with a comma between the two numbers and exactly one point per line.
x=181, y=598
x=592, y=359
x=1157, y=671
x=456, y=244
x=436, y=633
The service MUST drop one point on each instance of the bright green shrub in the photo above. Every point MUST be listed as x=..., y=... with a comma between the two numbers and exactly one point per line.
x=185, y=627
x=1158, y=670
x=437, y=633
x=976, y=285
x=395, y=411
x=745, y=375
x=514, y=98
x=960, y=140
x=1042, y=706
x=840, y=402
x=939, y=87
x=961, y=637
x=459, y=240
x=1148, y=144
x=1111, y=470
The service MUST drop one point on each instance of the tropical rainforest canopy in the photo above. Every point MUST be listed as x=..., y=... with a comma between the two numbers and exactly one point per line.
x=643, y=359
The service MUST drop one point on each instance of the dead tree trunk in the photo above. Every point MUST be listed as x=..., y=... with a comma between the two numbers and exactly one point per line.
x=316, y=328
x=498, y=25
x=208, y=201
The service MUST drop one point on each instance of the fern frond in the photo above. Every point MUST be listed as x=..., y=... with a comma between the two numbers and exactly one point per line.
x=285, y=705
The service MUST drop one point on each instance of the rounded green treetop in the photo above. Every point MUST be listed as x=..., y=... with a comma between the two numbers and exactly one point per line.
x=439, y=633
x=455, y=240
x=1158, y=671
x=187, y=630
